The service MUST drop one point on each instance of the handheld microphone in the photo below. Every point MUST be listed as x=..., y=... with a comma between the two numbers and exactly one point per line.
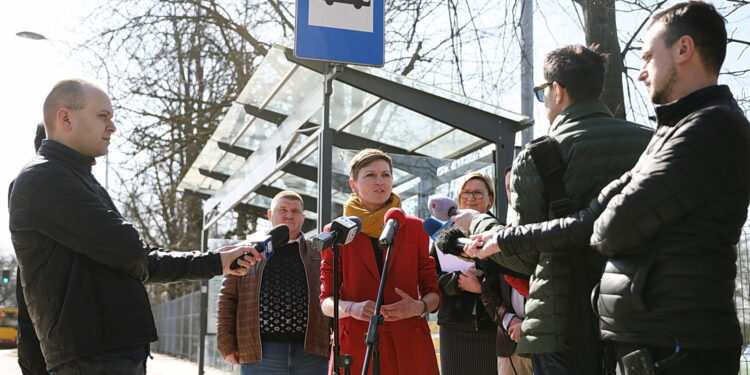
x=442, y=207
x=394, y=219
x=452, y=241
x=433, y=227
x=277, y=236
x=342, y=231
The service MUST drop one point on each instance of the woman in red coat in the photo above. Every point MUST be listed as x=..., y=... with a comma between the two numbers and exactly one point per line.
x=411, y=291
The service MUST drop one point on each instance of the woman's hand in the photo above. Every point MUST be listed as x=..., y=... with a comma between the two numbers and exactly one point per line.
x=361, y=310
x=468, y=281
x=406, y=308
x=514, y=329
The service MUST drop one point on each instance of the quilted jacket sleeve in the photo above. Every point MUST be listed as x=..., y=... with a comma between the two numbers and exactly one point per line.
x=564, y=233
x=168, y=266
x=674, y=180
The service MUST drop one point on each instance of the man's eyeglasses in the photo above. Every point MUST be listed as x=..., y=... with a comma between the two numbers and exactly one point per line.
x=472, y=194
x=539, y=91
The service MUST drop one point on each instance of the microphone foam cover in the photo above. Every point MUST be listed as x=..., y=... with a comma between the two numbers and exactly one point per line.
x=447, y=241
x=431, y=226
x=440, y=206
x=395, y=213
x=279, y=234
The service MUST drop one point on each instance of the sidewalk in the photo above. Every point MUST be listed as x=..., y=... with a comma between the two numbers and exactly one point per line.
x=160, y=365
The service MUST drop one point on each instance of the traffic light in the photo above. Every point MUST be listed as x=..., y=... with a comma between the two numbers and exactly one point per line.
x=6, y=276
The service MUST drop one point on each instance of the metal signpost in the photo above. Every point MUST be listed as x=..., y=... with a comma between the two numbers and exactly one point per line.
x=337, y=32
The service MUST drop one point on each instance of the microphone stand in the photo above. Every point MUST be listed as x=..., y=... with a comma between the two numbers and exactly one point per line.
x=343, y=360
x=372, y=339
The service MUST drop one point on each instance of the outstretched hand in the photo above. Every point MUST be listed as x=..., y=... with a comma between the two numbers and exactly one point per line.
x=246, y=257
x=482, y=245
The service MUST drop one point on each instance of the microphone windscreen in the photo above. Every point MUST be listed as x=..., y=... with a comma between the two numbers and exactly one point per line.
x=440, y=207
x=279, y=235
x=395, y=213
x=448, y=241
x=431, y=226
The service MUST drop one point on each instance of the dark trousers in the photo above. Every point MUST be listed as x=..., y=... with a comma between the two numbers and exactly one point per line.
x=548, y=364
x=102, y=364
x=721, y=361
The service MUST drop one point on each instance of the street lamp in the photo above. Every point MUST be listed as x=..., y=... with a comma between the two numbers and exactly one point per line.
x=30, y=35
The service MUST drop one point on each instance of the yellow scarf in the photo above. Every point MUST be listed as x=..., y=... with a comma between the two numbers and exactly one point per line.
x=372, y=221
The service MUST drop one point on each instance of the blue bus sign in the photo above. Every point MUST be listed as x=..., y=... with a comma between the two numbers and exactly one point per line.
x=342, y=31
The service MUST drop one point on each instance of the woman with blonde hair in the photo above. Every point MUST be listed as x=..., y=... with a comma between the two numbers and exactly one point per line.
x=405, y=344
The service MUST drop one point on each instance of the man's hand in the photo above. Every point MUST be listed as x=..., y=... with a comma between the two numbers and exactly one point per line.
x=468, y=281
x=463, y=219
x=406, y=308
x=362, y=310
x=232, y=358
x=482, y=245
x=247, y=255
x=514, y=329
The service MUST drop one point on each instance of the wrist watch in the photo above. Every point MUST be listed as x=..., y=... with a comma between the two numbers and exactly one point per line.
x=424, y=313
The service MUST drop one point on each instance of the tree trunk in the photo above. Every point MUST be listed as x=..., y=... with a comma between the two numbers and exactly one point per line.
x=601, y=29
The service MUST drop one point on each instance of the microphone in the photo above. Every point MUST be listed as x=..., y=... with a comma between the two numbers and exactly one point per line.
x=394, y=219
x=342, y=231
x=433, y=227
x=277, y=236
x=452, y=241
x=442, y=207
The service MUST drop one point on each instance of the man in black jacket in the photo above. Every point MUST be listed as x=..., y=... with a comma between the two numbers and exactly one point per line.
x=670, y=225
x=82, y=265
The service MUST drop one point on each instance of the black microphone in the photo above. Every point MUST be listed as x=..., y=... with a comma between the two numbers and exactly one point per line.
x=452, y=241
x=342, y=232
x=394, y=218
x=277, y=236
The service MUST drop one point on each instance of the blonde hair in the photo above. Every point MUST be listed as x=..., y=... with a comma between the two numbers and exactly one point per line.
x=287, y=194
x=365, y=157
x=487, y=182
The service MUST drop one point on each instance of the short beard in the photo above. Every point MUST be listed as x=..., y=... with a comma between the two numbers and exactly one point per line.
x=662, y=96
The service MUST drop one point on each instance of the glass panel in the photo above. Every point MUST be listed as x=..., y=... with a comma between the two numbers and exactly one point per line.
x=391, y=124
x=270, y=72
x=229, y=164
x=209, y=156
x=296, y=89
x=450, y=144
x=406, y=81
x=346, y=102
x=256, y=134
x=233, y=123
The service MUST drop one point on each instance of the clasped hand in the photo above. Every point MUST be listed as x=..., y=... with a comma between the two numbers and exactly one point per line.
x=407, y=307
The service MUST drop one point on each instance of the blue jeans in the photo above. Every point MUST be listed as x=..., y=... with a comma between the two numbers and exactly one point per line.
x=286, y=359
x=102, y=364
x=548, y=364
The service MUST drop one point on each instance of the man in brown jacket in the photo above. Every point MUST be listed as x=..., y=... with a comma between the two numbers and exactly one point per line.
x=269, y=320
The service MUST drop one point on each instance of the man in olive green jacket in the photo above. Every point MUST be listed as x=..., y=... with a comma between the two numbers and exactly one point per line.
x=560, y=331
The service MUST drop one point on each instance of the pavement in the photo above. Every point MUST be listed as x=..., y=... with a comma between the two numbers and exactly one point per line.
x=161, y=365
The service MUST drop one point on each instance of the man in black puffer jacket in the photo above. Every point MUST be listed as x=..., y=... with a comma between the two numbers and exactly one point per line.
x=82, y=265
x=670, y=226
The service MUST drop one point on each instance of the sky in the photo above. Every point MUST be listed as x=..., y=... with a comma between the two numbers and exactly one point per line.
x=29, y=68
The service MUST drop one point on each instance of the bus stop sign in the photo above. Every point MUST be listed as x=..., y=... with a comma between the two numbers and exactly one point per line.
x=342, y=31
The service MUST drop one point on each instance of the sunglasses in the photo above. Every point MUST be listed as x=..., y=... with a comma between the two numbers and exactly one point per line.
x=539, y=91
